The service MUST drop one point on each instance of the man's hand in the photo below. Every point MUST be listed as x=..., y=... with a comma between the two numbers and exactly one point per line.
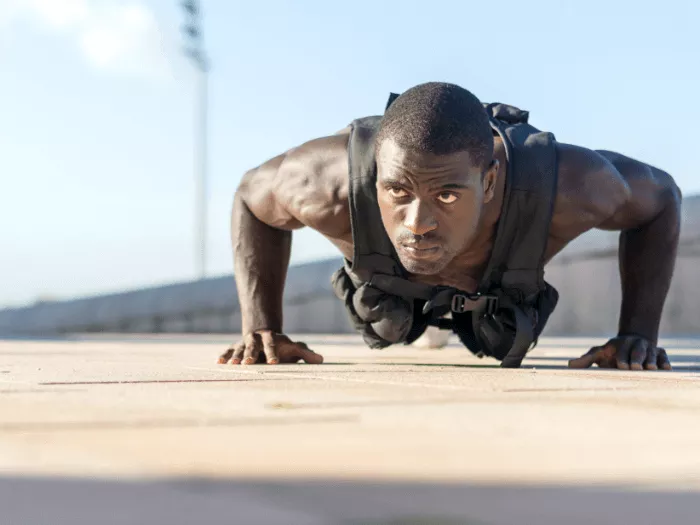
x=269, y=347
x=625, y=353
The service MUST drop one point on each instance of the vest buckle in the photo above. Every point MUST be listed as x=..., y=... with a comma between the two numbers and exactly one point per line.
x=491, y=304
x=459, y=303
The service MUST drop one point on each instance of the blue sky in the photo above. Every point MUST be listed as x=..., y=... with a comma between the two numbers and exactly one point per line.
x=96, y=109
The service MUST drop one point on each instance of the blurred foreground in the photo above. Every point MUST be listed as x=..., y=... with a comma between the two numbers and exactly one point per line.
x=148, y=429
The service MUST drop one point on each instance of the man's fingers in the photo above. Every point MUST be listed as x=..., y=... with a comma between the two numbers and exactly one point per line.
x=308, y=355
x=270, y=348
x=223, y=358
x=651, y=362
x=233, y=353
x=252, y=350
x=638, y=354
x=663, y=361
x=607, y=362
x=624, y=353
x=622, y=356
x=588, y=359
x=238, y=354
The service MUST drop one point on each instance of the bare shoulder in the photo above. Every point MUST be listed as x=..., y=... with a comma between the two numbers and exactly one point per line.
x=589, y=190
x=651, y=190
x=304, y=186
x=606, y=190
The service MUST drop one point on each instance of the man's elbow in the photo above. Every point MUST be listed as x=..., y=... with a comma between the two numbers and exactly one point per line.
x=243, y=193
x=245, y=182
x=670, y=201
x=669, y=192
x=675, y=191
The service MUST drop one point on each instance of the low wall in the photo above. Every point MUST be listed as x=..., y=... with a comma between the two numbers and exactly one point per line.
x=585, y=273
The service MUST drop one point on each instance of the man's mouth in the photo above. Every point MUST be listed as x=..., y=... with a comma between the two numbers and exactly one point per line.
x=421, y=251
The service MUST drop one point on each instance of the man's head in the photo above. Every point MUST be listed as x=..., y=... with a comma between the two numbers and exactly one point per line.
x=435, y=170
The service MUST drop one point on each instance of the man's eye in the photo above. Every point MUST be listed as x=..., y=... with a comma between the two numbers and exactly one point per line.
x=397, y=192
x=447, y=198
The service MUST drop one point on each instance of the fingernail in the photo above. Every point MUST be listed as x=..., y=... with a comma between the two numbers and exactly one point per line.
x=249, y=361
x=235, y=361
x=652, y=367
x=636, y=366
x=221, y=361
x=272, y=362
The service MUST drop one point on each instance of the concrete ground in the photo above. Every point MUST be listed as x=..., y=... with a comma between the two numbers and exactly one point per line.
x=150, y=430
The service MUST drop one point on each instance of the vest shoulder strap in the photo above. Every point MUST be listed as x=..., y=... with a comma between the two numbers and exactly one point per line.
x=517, y=260
x=373, y=251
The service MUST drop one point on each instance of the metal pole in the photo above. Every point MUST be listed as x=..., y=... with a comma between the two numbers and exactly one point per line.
x=201, y=179
x=193, y=33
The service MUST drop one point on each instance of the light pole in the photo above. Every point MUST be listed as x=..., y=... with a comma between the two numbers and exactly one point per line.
x=195, y=50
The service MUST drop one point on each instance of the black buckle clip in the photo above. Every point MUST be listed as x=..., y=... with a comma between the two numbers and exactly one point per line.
x=459, y=303
x=491, y=304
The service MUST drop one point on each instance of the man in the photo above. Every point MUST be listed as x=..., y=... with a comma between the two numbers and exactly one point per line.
x=445, y=206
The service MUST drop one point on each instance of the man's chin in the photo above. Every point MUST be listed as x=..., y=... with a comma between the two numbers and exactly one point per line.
x=423, y=266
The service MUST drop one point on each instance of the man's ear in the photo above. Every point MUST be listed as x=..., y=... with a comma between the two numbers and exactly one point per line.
x=489, y=181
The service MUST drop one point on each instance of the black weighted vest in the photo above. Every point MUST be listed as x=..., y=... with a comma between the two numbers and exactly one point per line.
x=506, y=315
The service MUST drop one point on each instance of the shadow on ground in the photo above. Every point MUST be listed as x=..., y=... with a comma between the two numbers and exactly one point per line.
x=61, y=501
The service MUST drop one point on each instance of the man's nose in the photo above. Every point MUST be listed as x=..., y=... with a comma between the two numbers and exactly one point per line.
x=419, y=218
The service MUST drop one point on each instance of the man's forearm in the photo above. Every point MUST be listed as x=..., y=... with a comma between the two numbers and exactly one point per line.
x=261, y=258
x=647, y=261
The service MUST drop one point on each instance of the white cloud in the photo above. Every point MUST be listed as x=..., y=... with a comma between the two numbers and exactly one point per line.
x=111, y=35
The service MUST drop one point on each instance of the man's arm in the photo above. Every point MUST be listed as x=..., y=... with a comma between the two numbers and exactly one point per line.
x=286, y=193
x=648, y=218
x=650, y=223
x=261, y=240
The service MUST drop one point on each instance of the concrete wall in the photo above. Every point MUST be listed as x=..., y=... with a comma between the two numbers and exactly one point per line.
x=590, y=295
x=210, y=306
x=320, y=314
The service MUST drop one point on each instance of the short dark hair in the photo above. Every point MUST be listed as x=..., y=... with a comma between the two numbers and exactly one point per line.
x=439, y=118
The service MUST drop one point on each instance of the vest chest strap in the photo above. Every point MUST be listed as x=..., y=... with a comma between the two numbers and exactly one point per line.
x=439, y=299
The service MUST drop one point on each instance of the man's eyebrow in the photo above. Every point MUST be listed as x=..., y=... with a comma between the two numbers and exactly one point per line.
x=392, y=179
x=454, y=186
x=402, y=181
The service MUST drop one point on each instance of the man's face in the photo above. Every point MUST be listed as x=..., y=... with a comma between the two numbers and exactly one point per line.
x=430, y=204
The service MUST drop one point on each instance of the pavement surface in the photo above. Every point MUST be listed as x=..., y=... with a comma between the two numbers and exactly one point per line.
x=150, y=430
